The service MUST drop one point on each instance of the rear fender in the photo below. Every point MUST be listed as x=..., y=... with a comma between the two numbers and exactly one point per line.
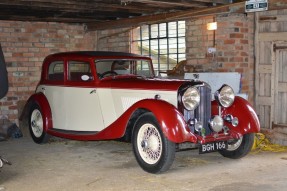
x=248, y=120
x=41, y=100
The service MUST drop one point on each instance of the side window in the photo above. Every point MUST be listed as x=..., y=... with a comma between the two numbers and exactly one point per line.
x=56, y=71
x=143, y=68
x=121, y=67
x=79, y=71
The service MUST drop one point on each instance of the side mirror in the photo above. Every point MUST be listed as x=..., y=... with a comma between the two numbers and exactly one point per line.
x=3, y=75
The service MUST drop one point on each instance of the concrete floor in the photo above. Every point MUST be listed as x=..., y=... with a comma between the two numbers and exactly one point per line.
x=110, y=165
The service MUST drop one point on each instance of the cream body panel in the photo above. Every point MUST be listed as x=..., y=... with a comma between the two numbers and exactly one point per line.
x=114, y=102
x=74, y=108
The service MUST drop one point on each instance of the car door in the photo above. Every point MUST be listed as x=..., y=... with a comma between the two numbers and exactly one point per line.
x=75, y=105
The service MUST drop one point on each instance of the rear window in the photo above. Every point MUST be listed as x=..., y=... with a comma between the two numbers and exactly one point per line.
x=56, y=71
x=79, y=71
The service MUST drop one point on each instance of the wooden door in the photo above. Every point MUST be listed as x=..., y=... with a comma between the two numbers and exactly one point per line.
x=264, y=76
x=280, y=86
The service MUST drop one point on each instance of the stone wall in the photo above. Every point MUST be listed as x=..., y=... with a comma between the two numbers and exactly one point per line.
x=25, y=45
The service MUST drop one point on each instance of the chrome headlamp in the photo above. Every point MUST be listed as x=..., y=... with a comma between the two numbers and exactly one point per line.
x=191, y=98
x=225, y=96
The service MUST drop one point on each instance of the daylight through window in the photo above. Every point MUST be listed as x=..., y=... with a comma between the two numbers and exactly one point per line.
x=164, y=43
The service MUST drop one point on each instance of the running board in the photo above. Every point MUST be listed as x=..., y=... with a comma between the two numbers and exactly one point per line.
x=70, y=132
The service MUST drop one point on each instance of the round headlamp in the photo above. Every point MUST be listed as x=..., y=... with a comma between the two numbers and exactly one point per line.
x=225, y=96
x=191, y=98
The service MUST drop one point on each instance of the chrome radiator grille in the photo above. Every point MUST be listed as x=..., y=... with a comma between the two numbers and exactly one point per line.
x=203, y=112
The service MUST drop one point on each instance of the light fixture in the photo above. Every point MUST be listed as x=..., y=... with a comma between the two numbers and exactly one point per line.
x=212, y=26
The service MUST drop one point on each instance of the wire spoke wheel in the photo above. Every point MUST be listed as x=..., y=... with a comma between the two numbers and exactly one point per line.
x=238, y=148
x=232, y=146
x=149, y=143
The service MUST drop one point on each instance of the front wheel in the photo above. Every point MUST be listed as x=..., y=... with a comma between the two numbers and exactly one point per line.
x=238, y=148
x=36, y=125
x=153, y=151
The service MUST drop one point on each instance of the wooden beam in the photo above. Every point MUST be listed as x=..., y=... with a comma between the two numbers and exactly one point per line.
x=273, y=18
x=76, y=5
x=180, y=2
x=150, y=19
x=272, y=36
x=167, y=17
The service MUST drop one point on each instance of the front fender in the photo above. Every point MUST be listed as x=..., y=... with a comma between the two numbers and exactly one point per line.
x=248, y=120
x=41, y=100
x=169, y=119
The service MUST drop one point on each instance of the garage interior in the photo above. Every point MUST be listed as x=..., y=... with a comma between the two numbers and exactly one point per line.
x=253, y=44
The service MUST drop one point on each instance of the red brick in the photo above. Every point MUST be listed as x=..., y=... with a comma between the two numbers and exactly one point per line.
x=229, y=41
x=236, y=35
x=242, y=41
x=238, y=24
x=244, y=30
x=244, y=54
x=236, y=59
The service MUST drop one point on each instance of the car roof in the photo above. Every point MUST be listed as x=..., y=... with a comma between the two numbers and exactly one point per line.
x=95, y=54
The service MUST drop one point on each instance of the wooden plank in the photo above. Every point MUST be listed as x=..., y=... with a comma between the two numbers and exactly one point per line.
x=273, y=18
x=274, y=92
x=262, y=100
x=274, y=36
x=279, y=125
x=265, y=69
x=256, y=60
x=267, y=116
x=267, y=89
x=261, y=85
x=261, y=116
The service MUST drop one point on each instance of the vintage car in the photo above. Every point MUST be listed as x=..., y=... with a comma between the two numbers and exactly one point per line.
x=94, y=95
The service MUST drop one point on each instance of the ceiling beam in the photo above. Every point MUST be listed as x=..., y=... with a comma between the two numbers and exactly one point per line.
x=180, y=2
x=167, y=17
x=176, y=3
x=76, y=5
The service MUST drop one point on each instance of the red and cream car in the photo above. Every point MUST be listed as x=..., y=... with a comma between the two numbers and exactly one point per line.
x=92, y=95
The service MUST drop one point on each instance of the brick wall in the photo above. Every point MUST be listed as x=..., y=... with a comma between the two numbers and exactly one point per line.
x=114, y=40
x=25, y=45
x=234, y=44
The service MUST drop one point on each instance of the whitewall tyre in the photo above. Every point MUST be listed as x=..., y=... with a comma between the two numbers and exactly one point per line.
x=239, y=148
x=36, y=125
x=153, y=151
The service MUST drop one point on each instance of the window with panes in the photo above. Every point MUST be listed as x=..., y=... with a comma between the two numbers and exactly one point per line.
x=164, y=43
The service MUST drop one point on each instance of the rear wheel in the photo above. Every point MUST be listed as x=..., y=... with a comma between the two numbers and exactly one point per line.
x=36, y=125
x=153, y=151
x=238, y=148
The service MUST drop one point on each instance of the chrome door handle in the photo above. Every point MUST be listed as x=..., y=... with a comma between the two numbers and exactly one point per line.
x=93, y=91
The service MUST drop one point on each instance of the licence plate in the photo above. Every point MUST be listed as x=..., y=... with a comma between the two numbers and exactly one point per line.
x=212, y=147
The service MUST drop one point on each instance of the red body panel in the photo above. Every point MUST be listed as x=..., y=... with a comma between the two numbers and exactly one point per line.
x=248, y=120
